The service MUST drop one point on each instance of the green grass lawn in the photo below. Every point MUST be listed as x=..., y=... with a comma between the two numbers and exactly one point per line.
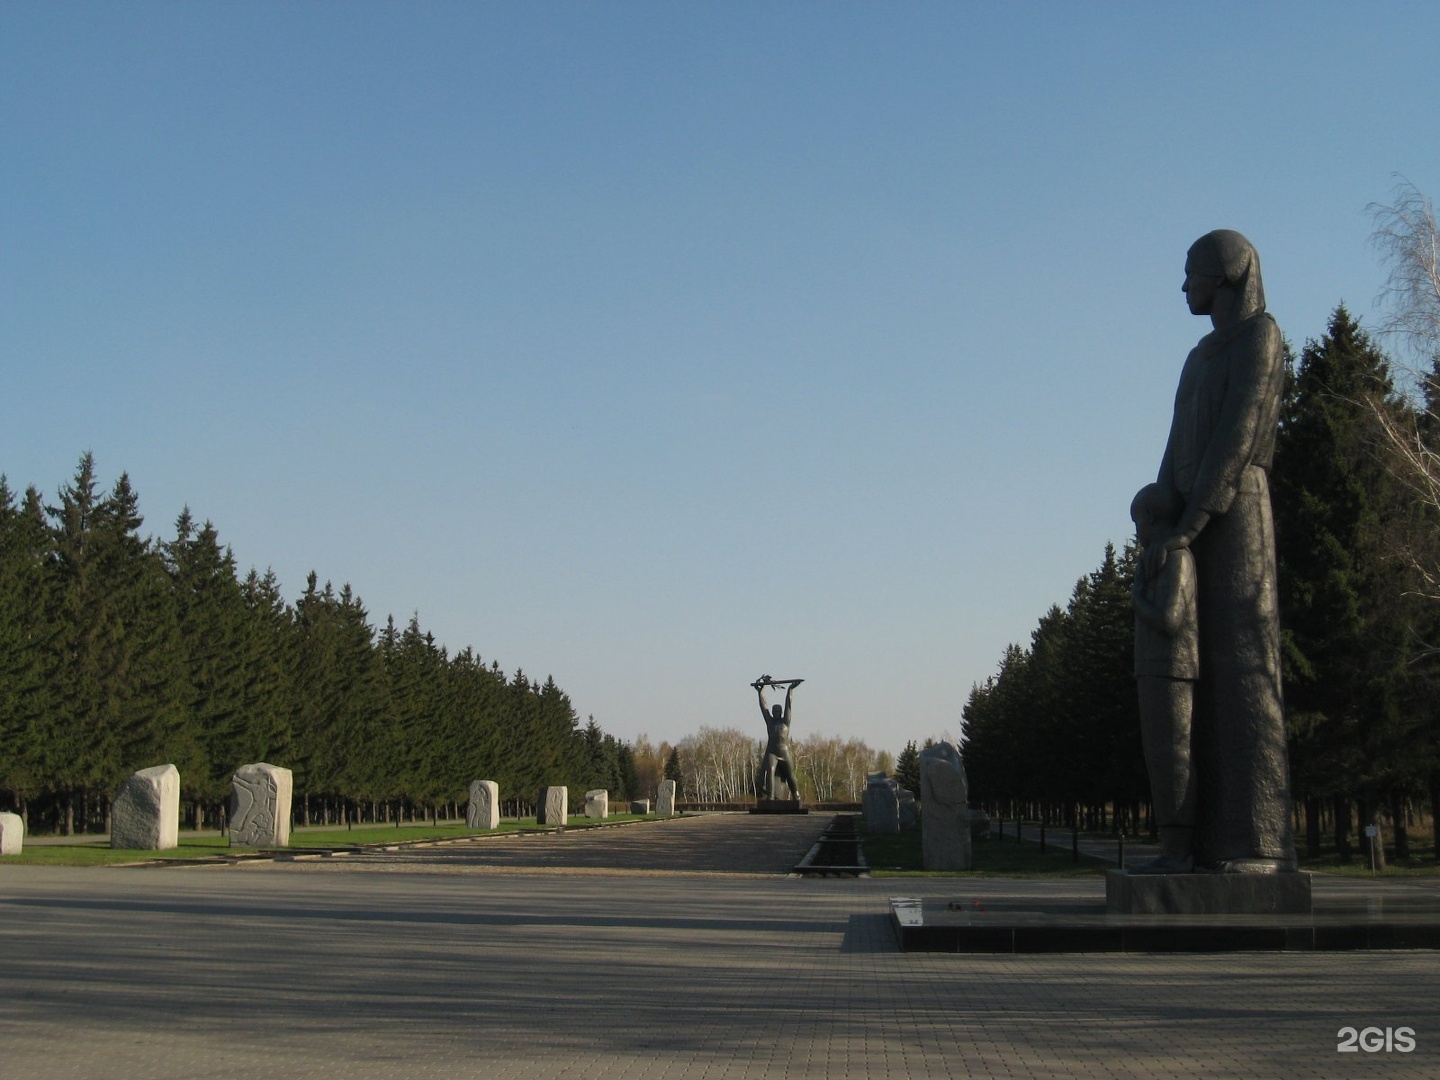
x=1420, y=863
x=100, y=853
x=410, y=834
x=1359, y=866
x=899, y=856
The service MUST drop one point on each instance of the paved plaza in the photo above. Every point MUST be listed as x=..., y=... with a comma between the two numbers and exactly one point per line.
x=660, y=950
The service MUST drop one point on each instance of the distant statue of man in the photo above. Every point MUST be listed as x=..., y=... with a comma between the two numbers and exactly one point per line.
x=777, y=765
x=1216, y=468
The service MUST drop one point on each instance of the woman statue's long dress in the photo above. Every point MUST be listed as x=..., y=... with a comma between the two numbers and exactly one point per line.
x=1217, y=460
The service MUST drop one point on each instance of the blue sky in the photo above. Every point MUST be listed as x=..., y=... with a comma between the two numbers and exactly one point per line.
x=656, y=346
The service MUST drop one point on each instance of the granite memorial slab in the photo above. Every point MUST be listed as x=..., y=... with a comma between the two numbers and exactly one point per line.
x=260, y=805
x=483, y=809
x=145, y=814
x=944, y=809
x=909, y=810
x=12, y=833
x=552, y=806
x=597, y=804
x=880, y=803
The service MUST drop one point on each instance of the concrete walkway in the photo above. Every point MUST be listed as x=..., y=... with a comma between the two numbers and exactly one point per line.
x=510, y=966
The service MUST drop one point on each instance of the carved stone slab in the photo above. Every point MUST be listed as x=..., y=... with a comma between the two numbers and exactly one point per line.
x=640, y=806
x=12, y=833
x=909, y=812
x=552, y=807
x=597, y=804
x=665, y=799
x=881, y=805
x=260, y=806
x=483, y=810
x=146, y=812
x=979, y=824
x=944, y=809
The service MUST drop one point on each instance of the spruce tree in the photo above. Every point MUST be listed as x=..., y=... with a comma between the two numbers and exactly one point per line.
x=1342, y=611
x=674, y=770
x=29, y=654
x=212, y=618
x=907, y=769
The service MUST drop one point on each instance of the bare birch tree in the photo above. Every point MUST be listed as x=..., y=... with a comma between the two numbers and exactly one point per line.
x=719, y=765
x=649, y=764
x=832, y=769
x=1409, y=243
x=1408, y=240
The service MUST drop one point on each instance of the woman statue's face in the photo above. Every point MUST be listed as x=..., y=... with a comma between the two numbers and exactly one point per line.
x=1199, y=289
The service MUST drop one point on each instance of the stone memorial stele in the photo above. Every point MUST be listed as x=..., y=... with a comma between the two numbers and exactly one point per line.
x=597, y=804
x=880, y=804
x=12, y=833
x=260, y=805
x=145, y=814
x=979, y=824
x=552, y=806
x=1207, y=625
x=640, y=806
x=909, y=811
x=665, y=798
x=944, y=809
x=483, y=809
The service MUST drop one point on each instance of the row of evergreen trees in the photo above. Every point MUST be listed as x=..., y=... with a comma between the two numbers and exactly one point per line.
x=119, y=652
x=1057, y=726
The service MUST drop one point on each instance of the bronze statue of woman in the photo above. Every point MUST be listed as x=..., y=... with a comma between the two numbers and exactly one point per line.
x=1217, y=461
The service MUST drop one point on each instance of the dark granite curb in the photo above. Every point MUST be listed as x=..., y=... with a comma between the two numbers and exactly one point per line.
x=921, y=927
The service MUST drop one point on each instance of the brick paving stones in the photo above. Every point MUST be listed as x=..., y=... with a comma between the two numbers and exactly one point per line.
x=709, y=965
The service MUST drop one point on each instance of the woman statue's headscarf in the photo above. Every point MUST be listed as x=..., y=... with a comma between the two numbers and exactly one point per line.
x=1226, y=254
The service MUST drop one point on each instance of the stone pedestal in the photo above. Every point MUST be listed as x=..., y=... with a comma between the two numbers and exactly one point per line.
x=12, y=834
x=145, y=815
x=1128, y=893
x=665, y=803
x=483, y=810
x=552, y=806
x=779, y=806
x=597, y=804
x=260, y=805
